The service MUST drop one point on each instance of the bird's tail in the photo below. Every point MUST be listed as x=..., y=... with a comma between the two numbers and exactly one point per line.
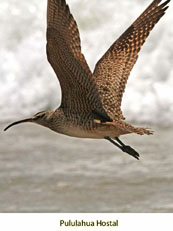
x=127, y=128
x=143, y=131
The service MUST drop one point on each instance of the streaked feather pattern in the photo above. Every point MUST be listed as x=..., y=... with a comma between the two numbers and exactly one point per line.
x=99, y=94
x=112, y=70
x=79, y=91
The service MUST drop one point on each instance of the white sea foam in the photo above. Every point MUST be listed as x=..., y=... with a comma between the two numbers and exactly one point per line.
x=28, y=84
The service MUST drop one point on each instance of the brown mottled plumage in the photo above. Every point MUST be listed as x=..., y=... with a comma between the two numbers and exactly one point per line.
x=91, y=102
x=113, y=69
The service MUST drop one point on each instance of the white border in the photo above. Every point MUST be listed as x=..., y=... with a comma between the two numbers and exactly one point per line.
x=51, y=222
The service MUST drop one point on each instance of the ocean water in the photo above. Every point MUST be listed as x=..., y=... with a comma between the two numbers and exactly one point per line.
x=28, y=83
x=41, y=171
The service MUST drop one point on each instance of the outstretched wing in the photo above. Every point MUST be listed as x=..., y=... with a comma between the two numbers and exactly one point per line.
x=112, y=70
x=79, y=91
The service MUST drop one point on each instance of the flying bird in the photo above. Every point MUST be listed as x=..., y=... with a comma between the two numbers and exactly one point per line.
x=91, y=102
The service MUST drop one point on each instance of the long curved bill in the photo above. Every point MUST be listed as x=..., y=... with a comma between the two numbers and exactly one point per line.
x=18, y=122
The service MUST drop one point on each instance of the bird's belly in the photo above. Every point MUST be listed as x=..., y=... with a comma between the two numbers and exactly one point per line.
x=96, y=133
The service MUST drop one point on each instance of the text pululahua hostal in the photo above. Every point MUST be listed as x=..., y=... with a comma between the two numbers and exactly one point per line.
x=82, y=223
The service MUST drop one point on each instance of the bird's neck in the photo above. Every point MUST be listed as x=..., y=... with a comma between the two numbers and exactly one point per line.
x=56, y=121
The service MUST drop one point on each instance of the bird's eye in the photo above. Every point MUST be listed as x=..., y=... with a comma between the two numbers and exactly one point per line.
x=37, y=116
x=39, y=113
x=40, y=116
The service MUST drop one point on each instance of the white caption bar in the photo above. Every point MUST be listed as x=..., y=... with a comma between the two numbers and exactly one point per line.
x=86, y=222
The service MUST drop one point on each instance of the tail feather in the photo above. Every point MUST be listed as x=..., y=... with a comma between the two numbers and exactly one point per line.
x=143, y=131
x=127, y=128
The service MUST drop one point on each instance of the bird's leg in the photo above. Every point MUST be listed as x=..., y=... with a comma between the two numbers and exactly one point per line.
x=123, y=147
x=128, y=149
x=113, y=142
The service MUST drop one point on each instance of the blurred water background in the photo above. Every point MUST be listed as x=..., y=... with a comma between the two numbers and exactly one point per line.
x=46, y=172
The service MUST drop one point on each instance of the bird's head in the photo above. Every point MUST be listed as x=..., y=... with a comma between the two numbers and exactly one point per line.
x=41, y=118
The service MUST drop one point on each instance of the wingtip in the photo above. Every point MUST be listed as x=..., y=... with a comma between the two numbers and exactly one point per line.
x=164, y=4
x=164, y=9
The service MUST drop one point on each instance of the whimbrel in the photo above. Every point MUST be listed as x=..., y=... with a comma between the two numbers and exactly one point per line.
x=91, y=102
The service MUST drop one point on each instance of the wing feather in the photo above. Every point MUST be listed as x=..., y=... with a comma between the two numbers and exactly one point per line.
x=112, y=70
x=60, y=19
x=79, y=91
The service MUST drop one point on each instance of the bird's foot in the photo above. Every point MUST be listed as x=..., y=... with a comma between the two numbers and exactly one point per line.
x=130, y=151
x=123, y=147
